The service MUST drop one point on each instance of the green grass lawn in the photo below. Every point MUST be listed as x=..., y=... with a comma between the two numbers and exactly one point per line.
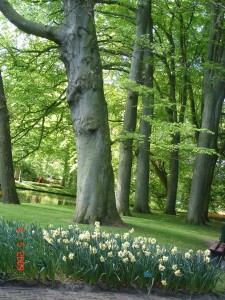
x=166, y=229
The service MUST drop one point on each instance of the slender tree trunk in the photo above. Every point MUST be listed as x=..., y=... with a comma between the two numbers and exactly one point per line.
x=192, y=108
x=8, y=187
x=214, y=94
x=66, y=169
x=160, y=172
x=172, y=116
x=174, y=158
x=80, y=54
x=130, y=118
x=173, y=177
x=210, y=180
x=141, y=203
x=17, y=174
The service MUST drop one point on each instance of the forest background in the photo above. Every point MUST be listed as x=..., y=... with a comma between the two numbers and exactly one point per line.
x=163, y=68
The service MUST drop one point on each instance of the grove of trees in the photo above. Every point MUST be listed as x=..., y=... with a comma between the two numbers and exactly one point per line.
x=141, y=86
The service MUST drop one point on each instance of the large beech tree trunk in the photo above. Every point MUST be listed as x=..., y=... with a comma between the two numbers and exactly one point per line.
x=80, y=53
x=130, y=118
x=141, y=203
x=214, y=94
x=8, y=187
x=77, y=40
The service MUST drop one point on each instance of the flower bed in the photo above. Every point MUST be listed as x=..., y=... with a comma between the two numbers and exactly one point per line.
x=97, y=256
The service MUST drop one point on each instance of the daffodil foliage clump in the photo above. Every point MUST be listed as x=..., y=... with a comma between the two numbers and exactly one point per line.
x=97, y=256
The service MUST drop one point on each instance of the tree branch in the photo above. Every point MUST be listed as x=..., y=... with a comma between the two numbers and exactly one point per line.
x=112, y=2
x=116, y=15
x=20, y=133
x=30, y=27
x=39, y=52
x=114, y=66
x=114, y=52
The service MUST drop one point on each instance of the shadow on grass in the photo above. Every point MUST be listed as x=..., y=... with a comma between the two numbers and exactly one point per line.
x=175, y=232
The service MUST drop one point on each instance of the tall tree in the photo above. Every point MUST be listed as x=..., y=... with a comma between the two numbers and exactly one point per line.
x=9, y=194
x=175, y=53
x=169, y=60
x=174, y=158
x=141, y=203
x=79, y=52
x=213, y=98
x=130, y=118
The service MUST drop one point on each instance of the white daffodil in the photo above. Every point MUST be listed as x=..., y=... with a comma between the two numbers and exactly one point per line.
x=71, y=256
x=164, y=283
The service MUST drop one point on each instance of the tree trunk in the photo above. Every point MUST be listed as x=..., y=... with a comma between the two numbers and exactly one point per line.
x=17, y=174
x=65, y=176
x=160, y=172
x=8, y=187
x=202, y=178
x=141, y=203
x=214, y=94
x=172, y=182
x=174, y=158
x=80, y=54
x=210, y=180
x=130, y=118
x=199, y=189
x=174, y=154
x=173, y=177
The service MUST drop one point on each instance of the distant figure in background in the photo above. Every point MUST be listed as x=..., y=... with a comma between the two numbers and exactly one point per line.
x=36, y=199
x=40, y=179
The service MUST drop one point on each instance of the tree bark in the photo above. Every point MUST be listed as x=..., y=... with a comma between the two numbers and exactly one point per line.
x=172, y=182
x=65, y=174
x=213, y=97
x=173, y=177
x=210, y=180
x=141, y=203
x=160, y=172
x=8, y=187
x=80, y=54
x=174, y=157
x=130, y=118
x=79, y=51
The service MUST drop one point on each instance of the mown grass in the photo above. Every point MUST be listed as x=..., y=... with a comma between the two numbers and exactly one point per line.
x=39, y=214
x=166, y=229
